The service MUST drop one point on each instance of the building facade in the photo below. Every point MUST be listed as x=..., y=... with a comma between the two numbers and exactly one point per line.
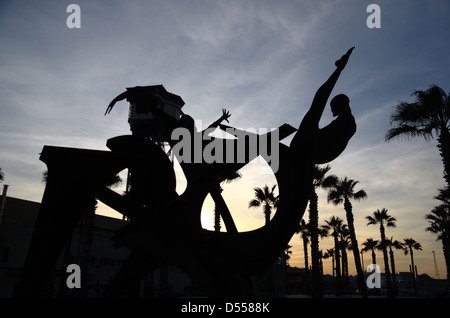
x=91, y=247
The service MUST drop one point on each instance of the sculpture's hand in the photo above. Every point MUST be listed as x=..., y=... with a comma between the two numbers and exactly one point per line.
x=344, y=59
x=225, y=115
x=110, y=107
x=115, y=100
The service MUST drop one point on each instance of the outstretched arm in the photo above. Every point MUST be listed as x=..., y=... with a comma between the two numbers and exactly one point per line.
x=225, y=115
x=323, y=93
x=115, y=100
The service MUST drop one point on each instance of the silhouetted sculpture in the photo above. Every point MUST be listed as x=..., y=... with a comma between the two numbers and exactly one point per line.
x=329, y=142
x=164, y=227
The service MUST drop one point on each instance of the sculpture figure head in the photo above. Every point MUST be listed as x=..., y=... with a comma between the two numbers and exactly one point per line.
x=340, y=105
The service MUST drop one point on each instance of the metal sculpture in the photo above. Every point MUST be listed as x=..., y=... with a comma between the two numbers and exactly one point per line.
x=164, y=227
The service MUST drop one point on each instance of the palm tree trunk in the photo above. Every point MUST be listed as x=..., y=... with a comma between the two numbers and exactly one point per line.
x=267, y=212
x=444, y=150
x=413, y=271
x=344, y=266
x=332, y=264
x=386, y=263
x=446, y=249
x=321, y=268
x=374, y=257
x=317, y=291
x=305, y=251
x=360, y=275
x=337, y=260
x=394, y=278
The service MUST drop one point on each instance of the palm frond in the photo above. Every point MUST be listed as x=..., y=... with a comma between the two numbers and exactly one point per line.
x=254, y=203
x=371, y=220
x=429, y=113
x=233, y=177
x=330, y=181
x=406, y=132
x=361, y=194
x=443, y=195
x=407, y=113
x=259, y=194
x=335, y=197
x=391, y=222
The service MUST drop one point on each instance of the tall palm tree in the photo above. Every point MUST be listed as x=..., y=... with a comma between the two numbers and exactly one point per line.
x=383, y=218
x=266, y=198
x=303, y=229
x=399, y=246
x=287, y=255
x=345, y=244
x=429, y=115
x=330, y=253
x=319, y=180
x=342, y=192
x=369, y=245
x=334, y=224
x=321, y=262
x=439, y=220
x=410, y=244
x=284, y=258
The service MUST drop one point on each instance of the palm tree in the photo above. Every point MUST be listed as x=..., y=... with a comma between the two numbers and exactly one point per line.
x=303, y=228
x=321, y=262
x=319, y=180
x=284, y=258
x=439, y=220
x=330, y=253
x=344, y=244
x=287, y=255
x=370, y=245
x=429, y=115
x=382, y=218
x=264, y=197
x=334, y=224
x=399, y=246
x=410, y=244
x=342, y=192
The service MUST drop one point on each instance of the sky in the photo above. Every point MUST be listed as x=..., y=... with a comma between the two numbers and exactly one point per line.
x=261, y=60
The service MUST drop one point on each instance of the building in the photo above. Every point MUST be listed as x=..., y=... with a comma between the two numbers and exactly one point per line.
x=91, y=247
